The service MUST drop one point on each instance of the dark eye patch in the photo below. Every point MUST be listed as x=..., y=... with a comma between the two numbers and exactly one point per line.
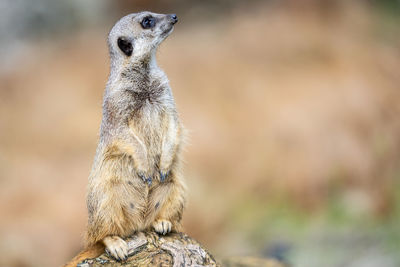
x=148, y=22
x=125, y=45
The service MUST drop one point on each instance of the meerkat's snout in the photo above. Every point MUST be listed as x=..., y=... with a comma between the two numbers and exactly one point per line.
x=173, y=18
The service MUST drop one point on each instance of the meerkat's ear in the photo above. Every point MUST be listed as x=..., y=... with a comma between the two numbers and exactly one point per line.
x=125, y=45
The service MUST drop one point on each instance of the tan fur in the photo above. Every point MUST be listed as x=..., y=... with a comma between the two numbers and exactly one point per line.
x=140, y=138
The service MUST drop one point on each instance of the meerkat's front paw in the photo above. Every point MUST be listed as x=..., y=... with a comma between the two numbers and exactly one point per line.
x=116, y=247
x=164, y=175
x=162, y=226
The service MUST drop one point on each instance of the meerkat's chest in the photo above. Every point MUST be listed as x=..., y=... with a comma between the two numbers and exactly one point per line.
x=150, y=124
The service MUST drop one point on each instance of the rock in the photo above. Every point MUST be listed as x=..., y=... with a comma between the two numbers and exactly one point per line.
x=151, y=249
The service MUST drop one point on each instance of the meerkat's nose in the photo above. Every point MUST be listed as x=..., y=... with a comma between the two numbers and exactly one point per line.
x=173, y=18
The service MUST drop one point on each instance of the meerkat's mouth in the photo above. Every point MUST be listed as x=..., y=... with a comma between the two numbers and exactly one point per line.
x=168, y=31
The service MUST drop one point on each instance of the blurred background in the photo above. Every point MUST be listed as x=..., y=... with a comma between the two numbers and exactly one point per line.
x=292, y=109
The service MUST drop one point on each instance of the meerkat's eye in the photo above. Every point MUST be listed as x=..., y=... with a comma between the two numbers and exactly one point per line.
x=125, y=45
x=148, y=22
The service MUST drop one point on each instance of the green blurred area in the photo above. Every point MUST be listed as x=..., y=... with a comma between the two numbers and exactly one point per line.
x=332, y=236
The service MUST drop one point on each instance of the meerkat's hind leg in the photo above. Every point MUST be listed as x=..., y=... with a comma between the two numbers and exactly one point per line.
x=162, y=226
x=116, y=247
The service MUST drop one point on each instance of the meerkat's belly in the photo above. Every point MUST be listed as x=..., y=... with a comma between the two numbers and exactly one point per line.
x=139, y=202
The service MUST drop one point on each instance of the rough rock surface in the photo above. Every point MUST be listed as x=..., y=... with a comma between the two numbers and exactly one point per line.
x=151, y=249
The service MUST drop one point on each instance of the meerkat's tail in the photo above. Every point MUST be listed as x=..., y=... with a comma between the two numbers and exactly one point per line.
x=88, y=253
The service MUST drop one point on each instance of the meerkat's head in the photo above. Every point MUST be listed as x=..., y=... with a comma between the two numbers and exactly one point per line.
x=137, y=36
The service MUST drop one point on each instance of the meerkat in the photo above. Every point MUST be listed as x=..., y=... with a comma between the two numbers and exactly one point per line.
x=135, y=183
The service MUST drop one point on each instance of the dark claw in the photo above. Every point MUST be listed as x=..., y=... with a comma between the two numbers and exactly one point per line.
x=110, y=255
x=117, y=257
x=163, y=176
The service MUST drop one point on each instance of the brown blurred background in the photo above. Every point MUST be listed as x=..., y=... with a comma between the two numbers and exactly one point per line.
x=292, y=109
